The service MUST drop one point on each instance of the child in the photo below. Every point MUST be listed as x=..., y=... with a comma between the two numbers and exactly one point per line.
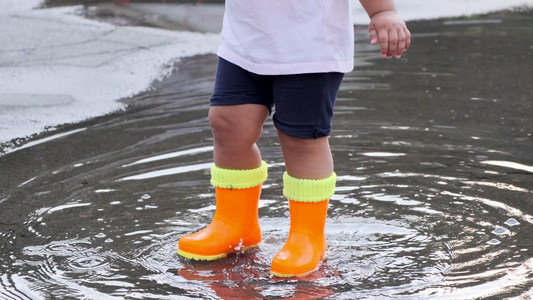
x=292, y=55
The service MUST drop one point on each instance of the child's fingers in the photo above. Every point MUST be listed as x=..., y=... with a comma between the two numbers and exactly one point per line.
x=393, y=43
x=401, y=44
x=384, y=42
x=407, y=38
x=393, y=40
x=373, y=36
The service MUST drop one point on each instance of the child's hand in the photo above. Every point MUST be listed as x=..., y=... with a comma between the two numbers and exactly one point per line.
x=390, y=31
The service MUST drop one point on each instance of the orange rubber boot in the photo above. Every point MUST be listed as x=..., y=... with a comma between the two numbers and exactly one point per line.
x=306, y=245
x=235, y=226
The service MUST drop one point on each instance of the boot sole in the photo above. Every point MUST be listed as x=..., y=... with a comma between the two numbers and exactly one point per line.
x=291, y=275
x=211, y=257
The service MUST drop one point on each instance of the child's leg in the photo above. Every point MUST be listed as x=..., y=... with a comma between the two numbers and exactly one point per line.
x=240, y=105
x=237, y=175
x=304, y=109
x=306, y=158
x=236, y=129
x=308, y=183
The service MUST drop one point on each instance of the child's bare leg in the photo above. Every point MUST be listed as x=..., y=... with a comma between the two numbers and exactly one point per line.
x=236, y=129
x=306, y=158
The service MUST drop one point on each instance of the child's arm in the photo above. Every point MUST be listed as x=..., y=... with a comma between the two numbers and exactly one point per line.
x=386, y=27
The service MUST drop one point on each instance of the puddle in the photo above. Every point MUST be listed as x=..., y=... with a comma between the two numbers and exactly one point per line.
x=423, y=210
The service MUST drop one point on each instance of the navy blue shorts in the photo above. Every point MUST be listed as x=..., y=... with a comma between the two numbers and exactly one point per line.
x=303, y=103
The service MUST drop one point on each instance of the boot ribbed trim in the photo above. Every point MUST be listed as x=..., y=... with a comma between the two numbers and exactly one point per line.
x=238, y=179
x=308, y=190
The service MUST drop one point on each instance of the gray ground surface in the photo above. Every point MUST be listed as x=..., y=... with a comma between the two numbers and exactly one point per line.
x=434, y=157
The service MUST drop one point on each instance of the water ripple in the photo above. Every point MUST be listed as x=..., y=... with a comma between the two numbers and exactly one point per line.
x=432, y=199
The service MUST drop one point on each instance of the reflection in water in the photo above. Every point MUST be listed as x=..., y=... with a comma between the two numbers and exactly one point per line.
x=172, y=155
x=508, y=164
x=41, y=141
x=171, y=171
x=433, y=156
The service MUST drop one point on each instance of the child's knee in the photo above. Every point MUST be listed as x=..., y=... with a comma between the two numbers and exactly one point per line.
x=231, y=129
x=220, y=124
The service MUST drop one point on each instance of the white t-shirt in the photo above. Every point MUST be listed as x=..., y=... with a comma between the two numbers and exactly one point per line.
x=278, y=37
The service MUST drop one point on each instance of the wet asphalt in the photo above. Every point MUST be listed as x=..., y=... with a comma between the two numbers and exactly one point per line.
x=463, y=91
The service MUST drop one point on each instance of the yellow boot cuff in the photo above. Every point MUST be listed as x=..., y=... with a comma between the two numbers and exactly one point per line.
x=308, y=190
x=238, y=179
